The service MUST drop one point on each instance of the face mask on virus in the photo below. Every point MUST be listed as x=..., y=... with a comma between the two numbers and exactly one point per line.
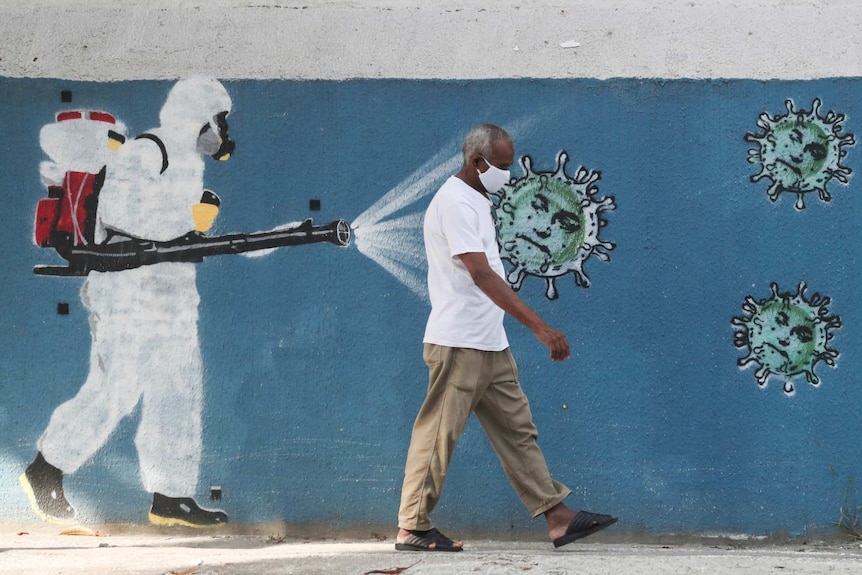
x=493, y=179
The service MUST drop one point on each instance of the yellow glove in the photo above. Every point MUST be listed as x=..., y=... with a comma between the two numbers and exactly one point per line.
x=205, y=212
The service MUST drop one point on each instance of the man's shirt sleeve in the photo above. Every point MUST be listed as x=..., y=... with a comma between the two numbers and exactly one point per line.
x=460, y=224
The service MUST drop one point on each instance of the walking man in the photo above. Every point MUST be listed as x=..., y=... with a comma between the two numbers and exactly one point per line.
x=471, y=369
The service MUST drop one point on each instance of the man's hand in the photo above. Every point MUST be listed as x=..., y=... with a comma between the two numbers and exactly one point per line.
x=555, y=341
x=504, y=296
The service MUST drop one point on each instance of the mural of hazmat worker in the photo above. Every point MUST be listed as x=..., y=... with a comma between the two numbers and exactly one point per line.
x=145, y=348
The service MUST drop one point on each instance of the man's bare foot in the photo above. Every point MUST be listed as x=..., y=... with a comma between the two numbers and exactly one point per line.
x=558, y=517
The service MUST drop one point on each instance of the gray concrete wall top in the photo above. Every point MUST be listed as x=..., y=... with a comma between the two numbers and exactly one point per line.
x=107, y=40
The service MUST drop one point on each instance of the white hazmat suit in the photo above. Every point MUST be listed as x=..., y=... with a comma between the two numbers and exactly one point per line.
x=144, y=321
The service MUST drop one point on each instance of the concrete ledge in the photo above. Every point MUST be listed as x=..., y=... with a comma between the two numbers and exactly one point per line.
x=468, y=39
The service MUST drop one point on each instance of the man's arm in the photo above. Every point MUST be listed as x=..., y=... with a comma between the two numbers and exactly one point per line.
x=505, y=297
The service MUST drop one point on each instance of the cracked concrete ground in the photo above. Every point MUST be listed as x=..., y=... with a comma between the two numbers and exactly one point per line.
x=47, y=552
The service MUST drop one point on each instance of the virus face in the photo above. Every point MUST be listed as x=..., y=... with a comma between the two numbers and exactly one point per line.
x=548, y=224
x=787, y=335
x=800, y=152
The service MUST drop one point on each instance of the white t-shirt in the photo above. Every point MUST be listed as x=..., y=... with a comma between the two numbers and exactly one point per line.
x=458, y=221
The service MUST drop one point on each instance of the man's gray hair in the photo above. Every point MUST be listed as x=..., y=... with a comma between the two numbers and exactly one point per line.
x=481, y=140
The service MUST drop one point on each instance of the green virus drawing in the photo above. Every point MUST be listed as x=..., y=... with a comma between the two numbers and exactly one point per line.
x=787, y=335
x=548, y=224
x=800, y=152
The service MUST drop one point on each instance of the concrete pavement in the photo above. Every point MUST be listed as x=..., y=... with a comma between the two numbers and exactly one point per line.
x=163, y=552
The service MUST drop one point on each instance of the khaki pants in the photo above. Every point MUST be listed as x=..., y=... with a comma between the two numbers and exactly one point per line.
x=463, y=381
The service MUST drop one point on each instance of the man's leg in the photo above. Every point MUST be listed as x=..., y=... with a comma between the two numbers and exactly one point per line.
x=504, y=413
x=452, y=383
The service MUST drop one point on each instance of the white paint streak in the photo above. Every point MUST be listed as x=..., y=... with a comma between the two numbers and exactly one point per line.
x=397, y=245
x=410, y=278
x=427, y=178
x=261, y=253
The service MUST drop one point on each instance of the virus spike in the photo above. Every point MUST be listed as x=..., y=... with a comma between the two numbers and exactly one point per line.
x=764, y=121
x=516, y=278
x=774, y=191
x=562, y=160
x=581, y=279
x=526, y=165
x=551, y=289
x=607, y=204
x=815, y=107
x=750, y=305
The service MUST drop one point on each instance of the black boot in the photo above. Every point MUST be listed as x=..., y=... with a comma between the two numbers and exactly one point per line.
x=43, y=484
x=170, y=511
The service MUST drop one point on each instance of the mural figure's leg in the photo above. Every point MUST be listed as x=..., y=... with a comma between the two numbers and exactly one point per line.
x=43, y=484
x=185, y=511
x=80, y=426
x=169, y=444
x=169, y=437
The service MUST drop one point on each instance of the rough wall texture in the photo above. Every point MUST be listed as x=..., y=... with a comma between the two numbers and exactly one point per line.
x=101, y=40
x=709, y=389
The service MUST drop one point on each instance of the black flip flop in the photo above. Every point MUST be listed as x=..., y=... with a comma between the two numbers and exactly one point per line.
x=582, y=524
x=422, y=541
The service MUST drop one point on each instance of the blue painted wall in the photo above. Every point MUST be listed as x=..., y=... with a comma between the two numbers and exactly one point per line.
x=312, y=354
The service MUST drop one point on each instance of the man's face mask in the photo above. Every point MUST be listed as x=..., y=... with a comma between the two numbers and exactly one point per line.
x=493, y=179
